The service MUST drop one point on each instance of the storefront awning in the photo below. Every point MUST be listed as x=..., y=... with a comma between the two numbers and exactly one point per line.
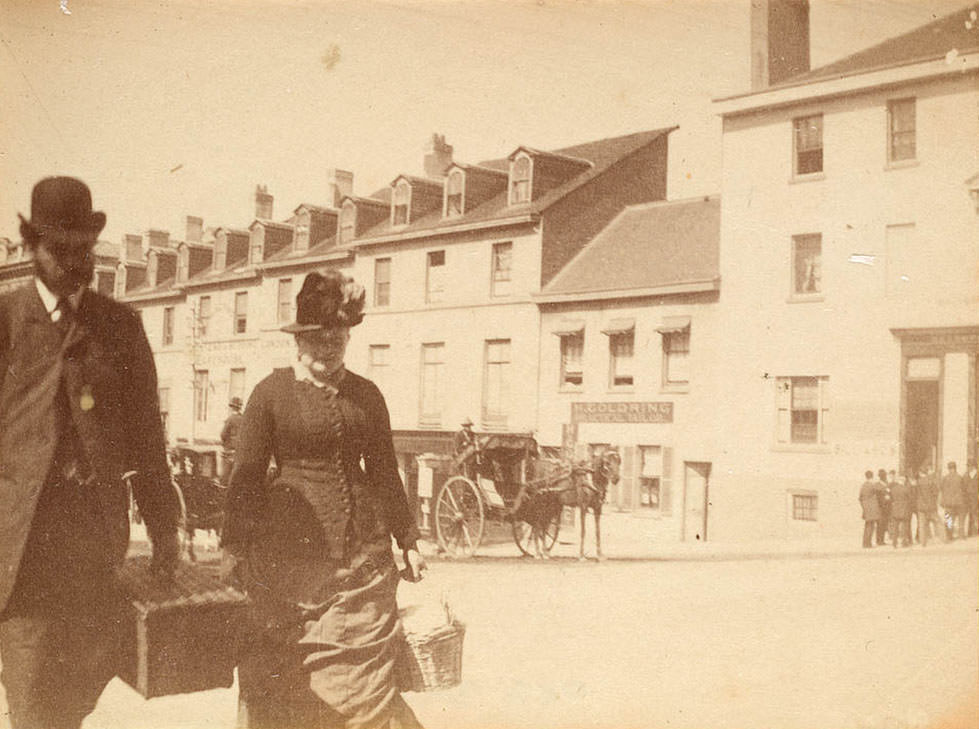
x=673, y=324
x=415, y=441
x=568, y=327
x=619, y=326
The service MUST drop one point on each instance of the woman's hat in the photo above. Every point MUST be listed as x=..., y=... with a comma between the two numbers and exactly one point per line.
x=64, y=204
x=327, y=300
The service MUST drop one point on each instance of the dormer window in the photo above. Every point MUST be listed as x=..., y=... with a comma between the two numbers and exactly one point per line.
x=399, y=206
x=348, y=219
x=453, y=194
x=220, y=253
x=183, y=264
x=520, y=180
x=152, y=266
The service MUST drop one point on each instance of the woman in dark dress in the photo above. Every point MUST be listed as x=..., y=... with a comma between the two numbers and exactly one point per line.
x=313, y=546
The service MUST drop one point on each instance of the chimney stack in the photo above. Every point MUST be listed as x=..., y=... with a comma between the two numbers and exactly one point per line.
x=438, y=156
x=779, y=41
x=195, y=229
x=158, y=238
x=132, y=247
x=340, y=183
x=263, y=203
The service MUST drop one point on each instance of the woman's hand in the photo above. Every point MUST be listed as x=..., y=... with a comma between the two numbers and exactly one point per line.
x=414, y=565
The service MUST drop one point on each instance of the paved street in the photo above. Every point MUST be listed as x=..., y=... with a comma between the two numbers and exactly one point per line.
x=884, y=639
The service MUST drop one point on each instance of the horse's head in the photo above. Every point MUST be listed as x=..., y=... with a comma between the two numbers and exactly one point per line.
x=607, y=467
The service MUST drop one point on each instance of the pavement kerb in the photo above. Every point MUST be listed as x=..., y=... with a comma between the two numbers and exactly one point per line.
x=680, y=552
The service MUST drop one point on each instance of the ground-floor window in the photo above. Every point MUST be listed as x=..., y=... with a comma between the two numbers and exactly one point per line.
x=804, y=506
x=650, y=475
x=802, y=409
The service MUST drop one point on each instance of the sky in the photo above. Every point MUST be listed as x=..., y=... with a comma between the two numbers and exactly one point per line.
x=169, y=108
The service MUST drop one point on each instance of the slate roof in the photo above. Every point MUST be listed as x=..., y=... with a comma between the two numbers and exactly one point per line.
x=925, y=43
x=647, y=246
x=602, y=154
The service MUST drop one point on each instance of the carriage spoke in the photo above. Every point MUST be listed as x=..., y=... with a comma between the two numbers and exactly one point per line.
x=452, y=499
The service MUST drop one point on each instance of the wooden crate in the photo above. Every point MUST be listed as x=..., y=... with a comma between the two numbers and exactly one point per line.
x=181, y=634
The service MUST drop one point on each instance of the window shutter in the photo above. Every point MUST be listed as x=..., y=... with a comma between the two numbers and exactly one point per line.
x=823, y=409
x=666, y=483
x=627, y=478
x=783, y=405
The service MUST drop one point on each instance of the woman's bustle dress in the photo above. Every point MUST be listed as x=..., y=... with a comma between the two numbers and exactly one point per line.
x=314, y=549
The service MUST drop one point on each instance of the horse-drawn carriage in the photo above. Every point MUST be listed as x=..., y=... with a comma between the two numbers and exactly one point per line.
x=201, y=492
x=502, y=477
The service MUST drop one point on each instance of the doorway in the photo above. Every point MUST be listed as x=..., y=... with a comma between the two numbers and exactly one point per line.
x=696, y=492
x=921, y=431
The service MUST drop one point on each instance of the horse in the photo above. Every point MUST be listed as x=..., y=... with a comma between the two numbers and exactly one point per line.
x=581, y=485
x=603, y=469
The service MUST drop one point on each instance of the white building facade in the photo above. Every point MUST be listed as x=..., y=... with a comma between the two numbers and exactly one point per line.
x=849, y=324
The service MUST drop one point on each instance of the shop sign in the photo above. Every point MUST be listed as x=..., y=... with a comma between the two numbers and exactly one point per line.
x=622, y=412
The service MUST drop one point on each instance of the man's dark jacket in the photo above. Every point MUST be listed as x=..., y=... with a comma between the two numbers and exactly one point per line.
x=110, y=384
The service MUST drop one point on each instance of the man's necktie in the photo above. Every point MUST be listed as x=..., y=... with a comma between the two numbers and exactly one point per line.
x=65, y=313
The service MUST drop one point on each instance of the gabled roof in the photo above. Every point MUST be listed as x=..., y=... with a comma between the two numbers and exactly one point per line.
x=413, y=180
x=925, y=43
x=367, y=200
x=239, y=271
x=646, y=247
x=553, y=155
x=324, y=251
x=475, y=168
x=266, y=223
x=195, y=244
x=161, y=290
x=314, y=208
x=601, y=154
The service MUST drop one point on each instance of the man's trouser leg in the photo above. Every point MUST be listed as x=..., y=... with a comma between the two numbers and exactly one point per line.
x=868, y=532
x=55, y=667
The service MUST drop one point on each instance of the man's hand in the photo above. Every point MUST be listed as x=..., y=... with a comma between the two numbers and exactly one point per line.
x=166, y=555
x=414, y=565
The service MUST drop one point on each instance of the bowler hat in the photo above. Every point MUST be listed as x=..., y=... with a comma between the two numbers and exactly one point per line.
x=61, y=203
x=467, y=421
x=327, y=300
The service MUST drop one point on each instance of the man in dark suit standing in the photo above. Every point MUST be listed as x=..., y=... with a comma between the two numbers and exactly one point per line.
x=229, y=438
x=78, y=411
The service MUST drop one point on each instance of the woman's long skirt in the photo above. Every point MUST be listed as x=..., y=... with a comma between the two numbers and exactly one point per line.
x=328, y=658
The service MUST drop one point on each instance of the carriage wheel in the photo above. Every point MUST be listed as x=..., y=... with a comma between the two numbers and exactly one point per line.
x=523, y=535
x=182, y=533
x=459, y=517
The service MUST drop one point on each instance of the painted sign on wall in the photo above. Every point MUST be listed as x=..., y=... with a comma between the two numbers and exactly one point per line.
x=622, y=412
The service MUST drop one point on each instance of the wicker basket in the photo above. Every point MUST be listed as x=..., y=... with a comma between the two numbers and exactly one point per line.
x=432, y=661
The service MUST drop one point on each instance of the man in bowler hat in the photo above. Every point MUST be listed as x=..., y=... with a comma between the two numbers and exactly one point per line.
x=78, y=414
x=229, y=437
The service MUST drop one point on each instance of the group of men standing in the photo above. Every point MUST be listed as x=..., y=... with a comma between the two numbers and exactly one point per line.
x=889, y=503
